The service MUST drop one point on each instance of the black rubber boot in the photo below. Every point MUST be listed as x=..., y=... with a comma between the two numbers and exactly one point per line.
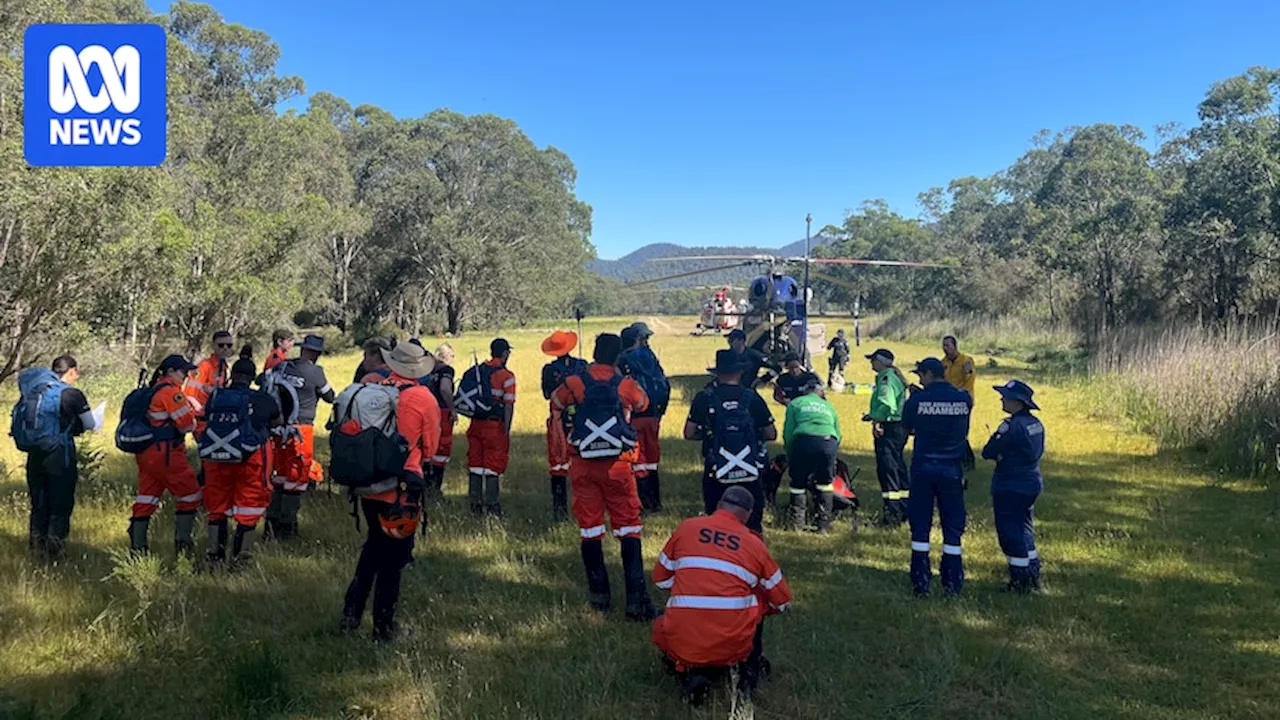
x=475, y=493
x=826, y=502
x=597, y=575
x=559, y=498
x=799, y=511
x=290, y=505
x=184, y=526
x=644, y=490
x=242, y=546
x=493, y=495
x=655, y=491
x=639, y=606
x=217, y=550
x=271, y=529
x=138, y=535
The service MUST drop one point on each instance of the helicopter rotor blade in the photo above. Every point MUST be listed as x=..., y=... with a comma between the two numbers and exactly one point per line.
x=691, y=273
x=745, y=258
x=878, y=263
x=834, y=280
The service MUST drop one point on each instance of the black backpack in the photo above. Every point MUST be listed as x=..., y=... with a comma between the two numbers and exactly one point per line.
x=600, y=429
x=647, y=371
x=135, y=433
x=735, y=451
x=474, y=397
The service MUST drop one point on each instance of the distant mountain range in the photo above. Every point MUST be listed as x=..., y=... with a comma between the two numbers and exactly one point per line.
x=638, y=265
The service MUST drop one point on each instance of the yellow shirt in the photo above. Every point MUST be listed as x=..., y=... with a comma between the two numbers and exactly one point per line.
x=961, y=372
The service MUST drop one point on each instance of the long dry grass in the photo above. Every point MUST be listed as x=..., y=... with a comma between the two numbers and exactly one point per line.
x=1161, y=600
x=978, y=333
x=1212, y=391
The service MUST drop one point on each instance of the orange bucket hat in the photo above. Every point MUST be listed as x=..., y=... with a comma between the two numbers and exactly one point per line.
x=560, y=342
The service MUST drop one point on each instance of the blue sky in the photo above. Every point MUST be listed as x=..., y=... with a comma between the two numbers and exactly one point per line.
x=709, y=123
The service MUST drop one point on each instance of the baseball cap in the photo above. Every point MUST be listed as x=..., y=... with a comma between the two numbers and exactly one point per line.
x=739, y=497
x=499, y=347
x=883, y=353
x=737, y=334
x=930, y=365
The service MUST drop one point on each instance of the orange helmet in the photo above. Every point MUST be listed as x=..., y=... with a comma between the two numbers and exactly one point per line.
x=400, y=520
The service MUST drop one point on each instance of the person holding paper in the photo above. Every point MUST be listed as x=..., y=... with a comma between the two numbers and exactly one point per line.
x=46, y=431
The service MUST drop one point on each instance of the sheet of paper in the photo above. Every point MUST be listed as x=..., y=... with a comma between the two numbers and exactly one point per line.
x=100, y=415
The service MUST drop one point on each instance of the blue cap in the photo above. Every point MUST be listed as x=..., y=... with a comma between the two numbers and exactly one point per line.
x=1018, y=390
x=176, y=362
x=737, y=334
x=930, y=365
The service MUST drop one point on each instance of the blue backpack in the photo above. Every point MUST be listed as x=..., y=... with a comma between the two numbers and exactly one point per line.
x=600, y=429
x=735, y=453
x=230, y=435
x=135, y=433
x=37, y=417
x=474, y=396
x=647, y=372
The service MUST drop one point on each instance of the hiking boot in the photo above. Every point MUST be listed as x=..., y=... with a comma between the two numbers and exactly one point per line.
x=642, y=611
x=138, y=536
x=825, y=507
x=348, y=623
x=639, y=607
x=390, y=632
x=600, y=597
x=694, y=689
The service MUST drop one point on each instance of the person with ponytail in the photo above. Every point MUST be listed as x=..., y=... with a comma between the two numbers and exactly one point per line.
x=163, y=465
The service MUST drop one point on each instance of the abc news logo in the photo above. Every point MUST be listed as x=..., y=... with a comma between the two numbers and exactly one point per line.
x=95, y=95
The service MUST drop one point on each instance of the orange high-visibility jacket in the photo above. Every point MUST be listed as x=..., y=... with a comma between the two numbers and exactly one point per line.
x=211, y=374
x=170, y=405
x=723, y=582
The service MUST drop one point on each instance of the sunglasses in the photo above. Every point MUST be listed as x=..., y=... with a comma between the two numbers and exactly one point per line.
x=224, y=345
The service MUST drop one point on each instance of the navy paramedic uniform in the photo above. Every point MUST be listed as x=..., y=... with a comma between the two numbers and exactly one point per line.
x=938, y=415
x=1017, y=446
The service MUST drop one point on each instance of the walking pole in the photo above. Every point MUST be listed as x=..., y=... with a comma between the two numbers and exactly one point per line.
x=577, y=315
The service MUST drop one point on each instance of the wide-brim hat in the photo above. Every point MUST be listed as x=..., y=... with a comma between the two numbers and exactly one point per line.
x=1018, y=390
x=313, y=342
x=727, y=363
x=409, y=361
x=560, y=343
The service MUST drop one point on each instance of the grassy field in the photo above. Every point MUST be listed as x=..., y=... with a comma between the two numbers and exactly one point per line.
x=1162, y=600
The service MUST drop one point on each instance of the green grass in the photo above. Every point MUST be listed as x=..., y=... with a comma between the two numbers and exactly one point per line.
x=1162, y=598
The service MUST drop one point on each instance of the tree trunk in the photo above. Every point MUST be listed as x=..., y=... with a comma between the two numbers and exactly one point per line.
x=453, y=308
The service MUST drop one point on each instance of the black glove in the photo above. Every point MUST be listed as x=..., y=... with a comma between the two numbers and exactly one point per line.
x=414, y=486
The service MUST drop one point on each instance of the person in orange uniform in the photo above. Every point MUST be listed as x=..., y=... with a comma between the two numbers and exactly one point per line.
x=241, y=489
x=489, y=440
x=600, y=403
x=164, y=466
x=386, y=551
x=211, y=374
x=281, y=344
x=559, y=345
x=723, y=583
x=311, y=386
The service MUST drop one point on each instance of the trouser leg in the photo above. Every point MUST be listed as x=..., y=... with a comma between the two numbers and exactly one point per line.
x=38, y=482
x=366, y=568
x=952, y=517
x=920, y=515
x=559, y=497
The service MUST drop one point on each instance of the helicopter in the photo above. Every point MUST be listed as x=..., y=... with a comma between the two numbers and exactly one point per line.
x=775, y=316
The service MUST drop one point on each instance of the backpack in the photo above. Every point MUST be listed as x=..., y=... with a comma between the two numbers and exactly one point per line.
x=37, y=417
x=645, y=370
x=286, y=395
x=557, y=371
x=230, y=435
x=367, y=451
x=599, y=424
x=135, y=433
x=474, y=397
x=735, y=451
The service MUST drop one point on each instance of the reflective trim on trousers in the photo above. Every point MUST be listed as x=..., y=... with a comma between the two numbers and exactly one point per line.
x=481, y=471
x=592, y=532
x=951, y=550
x=919, y=546
x=628, y=531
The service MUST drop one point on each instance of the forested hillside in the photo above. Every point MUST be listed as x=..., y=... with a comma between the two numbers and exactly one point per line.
x=347, y=215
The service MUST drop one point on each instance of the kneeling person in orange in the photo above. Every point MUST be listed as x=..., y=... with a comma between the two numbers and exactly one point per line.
x=162, y=455
x=236, y=453
x=599, y=404
x=391, y=503
x=723, y=583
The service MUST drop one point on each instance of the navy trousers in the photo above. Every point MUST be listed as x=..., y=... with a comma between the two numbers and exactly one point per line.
x=941, y=483
x=1015, y=528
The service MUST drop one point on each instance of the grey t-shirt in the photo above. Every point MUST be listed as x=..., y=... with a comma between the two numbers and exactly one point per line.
x=309, y=382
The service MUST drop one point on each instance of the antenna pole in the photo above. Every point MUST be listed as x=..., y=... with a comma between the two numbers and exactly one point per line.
x=804, y=298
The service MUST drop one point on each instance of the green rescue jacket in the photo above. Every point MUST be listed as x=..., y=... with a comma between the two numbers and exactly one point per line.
x=810, y=415
x=889, y=397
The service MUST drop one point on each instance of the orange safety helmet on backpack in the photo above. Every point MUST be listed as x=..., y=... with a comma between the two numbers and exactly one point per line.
x=400, y=520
